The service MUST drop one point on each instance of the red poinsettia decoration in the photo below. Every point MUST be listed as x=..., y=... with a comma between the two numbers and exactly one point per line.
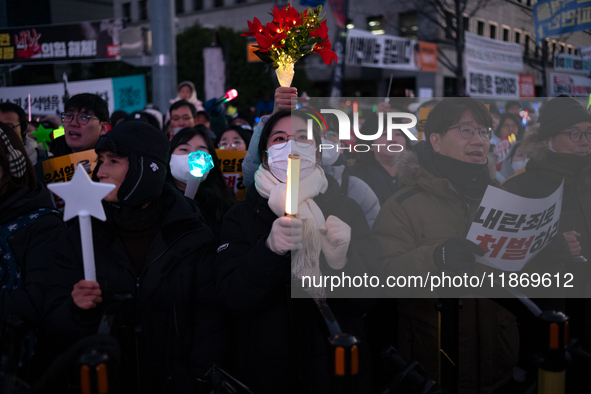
x=291, y=35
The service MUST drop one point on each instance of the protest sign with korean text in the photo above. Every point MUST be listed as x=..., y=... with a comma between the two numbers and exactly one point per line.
x=572, y=85
x=486, y=53
x=555, y=17
x=485, y=83
x=61, y=43
x=512, y=229
x=231, y=166
x=62, y=168
x=121, y=93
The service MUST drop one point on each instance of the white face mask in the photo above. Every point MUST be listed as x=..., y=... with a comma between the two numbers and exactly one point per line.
x=329, y=154
x=277, y=159
x=518, y=165
x=179, y=168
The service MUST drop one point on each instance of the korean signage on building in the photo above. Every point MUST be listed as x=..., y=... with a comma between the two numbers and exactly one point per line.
x=573, y=85
x=98, y=40
x=485, y=83
x=554, y=17
x=486, y=53
x=122, y=93
x=382, y=51
x=571, y=64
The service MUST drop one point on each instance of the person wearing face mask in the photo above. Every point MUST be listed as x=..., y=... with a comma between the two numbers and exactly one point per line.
x=515, y=162
x=281, y=345
x=213, y=197
x=333, y=163
x=422, y=230
x=560, y=149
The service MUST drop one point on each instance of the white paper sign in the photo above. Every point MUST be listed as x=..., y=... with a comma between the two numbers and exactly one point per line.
x=482, y=52
x=215, y=72
x=573, y=85
x=513, y=229
x=382, y=51
x=485, y=83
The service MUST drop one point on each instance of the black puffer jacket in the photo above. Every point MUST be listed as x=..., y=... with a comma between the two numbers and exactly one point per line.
x=30, y=245
x=179, y=331
x=283, y=342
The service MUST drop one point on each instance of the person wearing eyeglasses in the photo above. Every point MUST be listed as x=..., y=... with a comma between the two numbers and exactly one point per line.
x=234, y=138
x=560, y=148
x=422, y=229
x=85, y=119
x=262, y=250
x=16, y=118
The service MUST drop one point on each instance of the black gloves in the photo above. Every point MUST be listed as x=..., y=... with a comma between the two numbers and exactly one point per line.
x=456, y=254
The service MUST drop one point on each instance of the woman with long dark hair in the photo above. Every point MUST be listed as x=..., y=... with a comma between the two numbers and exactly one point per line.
x=213, y=197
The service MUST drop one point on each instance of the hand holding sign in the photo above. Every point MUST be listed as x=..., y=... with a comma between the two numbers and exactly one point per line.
x=83, y=199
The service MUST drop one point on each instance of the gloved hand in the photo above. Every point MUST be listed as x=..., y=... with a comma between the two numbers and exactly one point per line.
x=286, y=235
x=456, y=254
x=212, y=109
x=335, y=236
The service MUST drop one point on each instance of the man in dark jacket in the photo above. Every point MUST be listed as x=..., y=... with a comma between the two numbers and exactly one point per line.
x=560, y=149
x=154, y=248
x=85, y=119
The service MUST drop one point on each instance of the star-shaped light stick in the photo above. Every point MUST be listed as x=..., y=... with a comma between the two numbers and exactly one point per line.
x=43, y=135
x=83, y=199
x=199, y=164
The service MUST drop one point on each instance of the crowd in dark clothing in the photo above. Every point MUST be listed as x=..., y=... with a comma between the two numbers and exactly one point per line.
x=187, y=286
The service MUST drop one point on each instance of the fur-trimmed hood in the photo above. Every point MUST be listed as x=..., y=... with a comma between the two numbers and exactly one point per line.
x=533, y=147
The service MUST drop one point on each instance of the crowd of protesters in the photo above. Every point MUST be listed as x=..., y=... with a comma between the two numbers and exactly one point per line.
x=186, y=284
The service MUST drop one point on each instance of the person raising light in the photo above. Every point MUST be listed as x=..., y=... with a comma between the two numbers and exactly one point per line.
x=262, y=250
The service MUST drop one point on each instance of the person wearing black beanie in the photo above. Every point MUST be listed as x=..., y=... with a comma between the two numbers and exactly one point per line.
x=560, y=149
x=154, y=250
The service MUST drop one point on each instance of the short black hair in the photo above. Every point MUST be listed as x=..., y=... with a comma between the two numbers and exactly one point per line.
x=449, y=111
x=22, y=116
x=202, y=113
x=143, y=117
x=89, y=102
x=511, y=104
x=183, y=103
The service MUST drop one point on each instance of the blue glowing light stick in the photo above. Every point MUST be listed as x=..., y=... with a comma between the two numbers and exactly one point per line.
x=200, y=163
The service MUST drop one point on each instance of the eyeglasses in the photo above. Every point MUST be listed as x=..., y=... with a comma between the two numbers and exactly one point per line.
x=468, y=131
x=13, y=126
x=577, y=134
x=280, y=140
x=227, y=145
x=80, y=118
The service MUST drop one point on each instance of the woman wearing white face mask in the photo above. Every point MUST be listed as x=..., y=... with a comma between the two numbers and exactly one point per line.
x=515, y=162
x=261, y=251
x=213, y=197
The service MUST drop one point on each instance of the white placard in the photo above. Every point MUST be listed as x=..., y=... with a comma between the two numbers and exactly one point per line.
x=486, y=83
x=486, y=53
x=382, y=51
x=573, y=85
x=513, y=229
x=215, y=72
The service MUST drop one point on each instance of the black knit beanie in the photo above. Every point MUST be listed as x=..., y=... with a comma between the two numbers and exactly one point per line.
x=560, y=113
x=147, y=150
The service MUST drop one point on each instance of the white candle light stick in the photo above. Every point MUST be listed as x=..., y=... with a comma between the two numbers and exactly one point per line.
x=192, y=186
x=83, y=199
x=293, y=185
x=30, y=115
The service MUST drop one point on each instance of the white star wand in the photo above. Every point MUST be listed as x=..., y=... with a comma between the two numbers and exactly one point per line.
x=83, y=199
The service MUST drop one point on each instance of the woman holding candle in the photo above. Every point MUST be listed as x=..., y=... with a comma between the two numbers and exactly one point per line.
x=213, y=197
x=282, y=343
